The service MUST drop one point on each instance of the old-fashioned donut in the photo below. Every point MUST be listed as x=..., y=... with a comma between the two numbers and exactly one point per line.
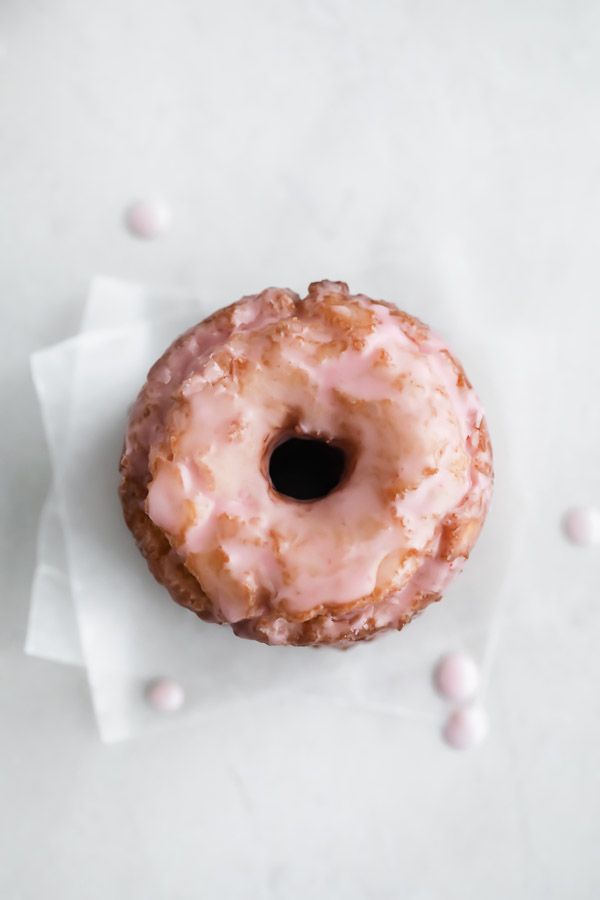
x=310, y=471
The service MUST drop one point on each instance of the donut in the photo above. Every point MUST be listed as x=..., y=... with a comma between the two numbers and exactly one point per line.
x=307, y=471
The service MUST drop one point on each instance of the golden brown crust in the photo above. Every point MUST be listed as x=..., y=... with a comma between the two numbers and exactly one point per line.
x=313, y=633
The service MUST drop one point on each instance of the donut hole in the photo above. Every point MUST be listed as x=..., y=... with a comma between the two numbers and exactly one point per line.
x=306, y=468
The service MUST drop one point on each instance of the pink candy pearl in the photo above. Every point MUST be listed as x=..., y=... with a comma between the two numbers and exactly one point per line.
x=456, y=677
x=148, y=218
x=466, y=728
x=582, y=525
x=165, y=695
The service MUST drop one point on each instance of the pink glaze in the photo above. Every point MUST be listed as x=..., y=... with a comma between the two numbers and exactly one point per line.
x=434, y=576
x=369, y=549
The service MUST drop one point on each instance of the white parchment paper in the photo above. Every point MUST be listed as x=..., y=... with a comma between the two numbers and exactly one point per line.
x=94, y=602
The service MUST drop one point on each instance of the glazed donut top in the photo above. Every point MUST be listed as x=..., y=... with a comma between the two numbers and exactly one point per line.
x=357, y=374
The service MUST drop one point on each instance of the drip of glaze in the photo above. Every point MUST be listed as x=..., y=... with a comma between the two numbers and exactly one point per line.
x=456, y=677
x=582, y=526
x=148, y=219
x=466, y=727
x=306, y=468
x=165, y=695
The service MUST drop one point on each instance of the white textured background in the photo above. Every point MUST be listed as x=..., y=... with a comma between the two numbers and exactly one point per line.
x=429, y=153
